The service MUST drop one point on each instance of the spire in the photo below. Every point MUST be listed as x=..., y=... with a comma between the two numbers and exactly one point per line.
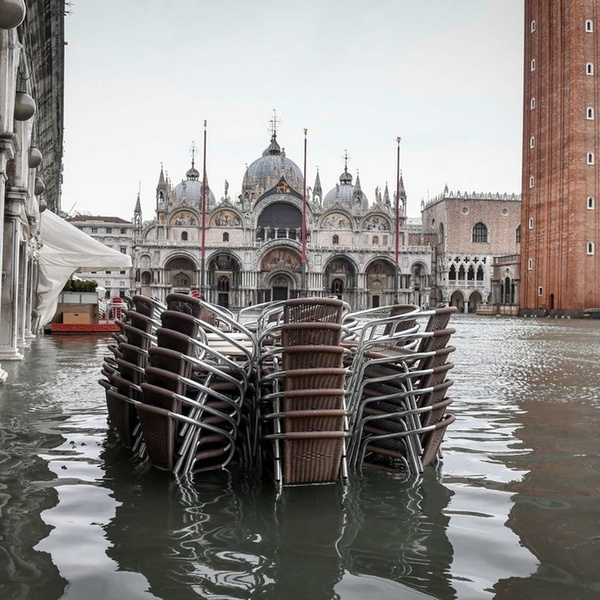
x=137, y=212
x=162, y=189
x=357, y=195
x=386, y=196
x=317, y=189
x=138, y=206
x=402, y=190
x=357, y=188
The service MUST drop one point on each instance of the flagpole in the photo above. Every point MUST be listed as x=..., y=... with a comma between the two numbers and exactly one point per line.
x=203, y=243
x=397, y=236
x=304, y=265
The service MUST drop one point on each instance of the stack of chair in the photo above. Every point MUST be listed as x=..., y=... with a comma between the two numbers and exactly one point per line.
x=171, y=396
x=399, y=390
x=193, y=394
x=124, y=371
x=302, y=393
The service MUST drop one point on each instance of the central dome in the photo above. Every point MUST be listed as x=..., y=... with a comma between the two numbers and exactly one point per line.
x=265, y=172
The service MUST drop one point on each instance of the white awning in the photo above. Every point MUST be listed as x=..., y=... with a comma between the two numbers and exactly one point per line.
x=64, y=250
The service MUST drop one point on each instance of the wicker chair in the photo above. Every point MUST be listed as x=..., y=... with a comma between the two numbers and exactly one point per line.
x=302, y=393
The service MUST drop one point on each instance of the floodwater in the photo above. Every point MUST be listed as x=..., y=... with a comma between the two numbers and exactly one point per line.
x=512, y=513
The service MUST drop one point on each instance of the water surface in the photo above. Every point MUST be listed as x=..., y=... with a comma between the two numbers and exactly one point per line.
x=513, y=511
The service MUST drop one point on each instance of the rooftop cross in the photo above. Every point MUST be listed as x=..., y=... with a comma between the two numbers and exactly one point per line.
x=193, y=152
x=346, y=158
x=274, y=121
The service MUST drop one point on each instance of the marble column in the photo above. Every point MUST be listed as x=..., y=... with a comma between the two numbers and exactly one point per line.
x=14, y=199
x=6, y=153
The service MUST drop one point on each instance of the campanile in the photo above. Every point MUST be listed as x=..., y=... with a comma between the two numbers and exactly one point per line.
x=560, y=219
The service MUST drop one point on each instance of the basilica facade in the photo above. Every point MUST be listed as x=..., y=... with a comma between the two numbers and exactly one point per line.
x=279, y=239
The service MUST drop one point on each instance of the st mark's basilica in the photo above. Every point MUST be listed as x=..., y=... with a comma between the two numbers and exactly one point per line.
x=252, y=248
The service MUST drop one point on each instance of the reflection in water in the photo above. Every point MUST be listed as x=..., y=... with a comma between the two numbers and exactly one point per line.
x=408, y=518
x=512, y=513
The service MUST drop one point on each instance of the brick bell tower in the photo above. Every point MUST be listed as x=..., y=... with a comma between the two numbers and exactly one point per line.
x=560, y=219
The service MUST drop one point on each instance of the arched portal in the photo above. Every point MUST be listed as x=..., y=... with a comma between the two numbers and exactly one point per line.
x=280, y=270
x=475, y=300
x=340, y=276
x=281, y=286
x=458, y=300
x=224, y=279
x=381, y=282
x=337, y=287
x=181, y=273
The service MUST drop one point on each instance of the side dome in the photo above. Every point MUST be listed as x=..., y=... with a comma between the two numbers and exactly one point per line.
x=265, y=172
x=190, y=190
x=344, y=192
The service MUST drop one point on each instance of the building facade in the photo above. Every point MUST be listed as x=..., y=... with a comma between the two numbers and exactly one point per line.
x=560, y=260
x=31, y=136
x=115, y=233
x=468, y=231
x=273, y=242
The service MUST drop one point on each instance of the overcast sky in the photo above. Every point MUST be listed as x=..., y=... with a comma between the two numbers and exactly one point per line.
x=142, y=76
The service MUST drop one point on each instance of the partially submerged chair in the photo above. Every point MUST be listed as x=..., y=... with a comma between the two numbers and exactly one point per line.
x=398, y=387
x=302, y=392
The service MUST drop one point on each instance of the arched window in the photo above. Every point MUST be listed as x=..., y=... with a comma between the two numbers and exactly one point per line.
x=335, y=240
x=591, y=203
x=223, y=287
x=452, y=273
x=589, y=68
x=471, y=273
x=529, y=264
x=461, y=273
x=479, y=273
x=532, y=103
x=223, y=284
x=590, y=158
x=480, y=233
x=531, y=181
x=184, y=236
x=375, y=240
x=589, y=26
x=337, y=287
x=589, y=113
x=532, y=142
x=518, y=234
x=225, y=236
x=506, y=299
x=591, y=248
x=533, y=64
